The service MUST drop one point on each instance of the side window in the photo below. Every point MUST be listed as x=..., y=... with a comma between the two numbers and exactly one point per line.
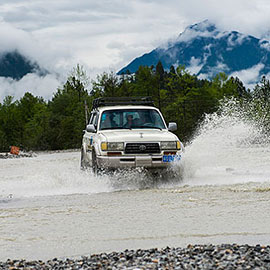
x=91, y=119
x=94, y=119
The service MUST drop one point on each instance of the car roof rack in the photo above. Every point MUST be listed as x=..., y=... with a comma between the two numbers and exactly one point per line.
x=114, y=101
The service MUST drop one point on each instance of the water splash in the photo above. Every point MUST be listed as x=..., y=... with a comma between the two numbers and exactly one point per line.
x=48, y=174
x=229, y=148
x=139, y=178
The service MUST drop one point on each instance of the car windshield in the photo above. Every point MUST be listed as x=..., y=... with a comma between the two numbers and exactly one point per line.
x=131, y=119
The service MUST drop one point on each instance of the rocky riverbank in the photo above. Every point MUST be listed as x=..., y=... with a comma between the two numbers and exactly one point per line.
x=20, y=155
x=193, y=257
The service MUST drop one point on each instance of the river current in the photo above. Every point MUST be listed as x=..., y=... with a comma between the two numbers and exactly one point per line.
x=50, y=208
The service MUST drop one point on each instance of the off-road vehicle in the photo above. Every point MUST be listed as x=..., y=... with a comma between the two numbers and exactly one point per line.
x=127, y=133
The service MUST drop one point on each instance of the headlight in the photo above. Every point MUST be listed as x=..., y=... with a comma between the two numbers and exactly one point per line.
x=176, y=145
x=112, y=146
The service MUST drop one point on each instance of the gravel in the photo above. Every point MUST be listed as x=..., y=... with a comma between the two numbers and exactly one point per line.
x=206, y=257
x=21, y=155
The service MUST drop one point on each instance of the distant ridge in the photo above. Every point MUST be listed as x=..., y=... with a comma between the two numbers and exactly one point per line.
x=206, y=51
x=15, y=65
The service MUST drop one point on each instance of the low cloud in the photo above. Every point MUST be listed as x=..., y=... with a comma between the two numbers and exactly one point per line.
x=236, y=39
x=203, y=30
x=38, y=86
x=250, y=76
x=195, y=65
x=15, y=39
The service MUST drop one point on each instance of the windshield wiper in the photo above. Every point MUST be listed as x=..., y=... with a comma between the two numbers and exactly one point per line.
x=149, y=127
x=111, y=128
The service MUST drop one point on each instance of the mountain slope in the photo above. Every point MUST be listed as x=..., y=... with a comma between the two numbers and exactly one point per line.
x=15, y=65
x=206, y=51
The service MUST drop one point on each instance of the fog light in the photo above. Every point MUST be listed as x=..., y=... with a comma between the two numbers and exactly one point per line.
x=104, y=146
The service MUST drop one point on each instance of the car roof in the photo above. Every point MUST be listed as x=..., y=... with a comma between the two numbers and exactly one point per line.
x=139, y=107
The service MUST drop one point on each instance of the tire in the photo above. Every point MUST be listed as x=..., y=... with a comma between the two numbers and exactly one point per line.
x=95, y=168
x=84, y=164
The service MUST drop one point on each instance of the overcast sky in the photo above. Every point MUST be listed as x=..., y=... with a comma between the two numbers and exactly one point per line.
x=106, y=35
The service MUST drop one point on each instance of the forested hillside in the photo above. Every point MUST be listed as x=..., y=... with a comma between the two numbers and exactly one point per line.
x=35, y=124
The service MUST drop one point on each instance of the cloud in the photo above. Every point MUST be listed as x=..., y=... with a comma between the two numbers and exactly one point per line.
x=248, y=17
x=265, y=44
x=106, y=35
x=204, y=29
x=38, y=86
x=83, y=31
x=236, y=39
x=13, y=38
x=195, y=65
x=35, y=49
x=250, y=76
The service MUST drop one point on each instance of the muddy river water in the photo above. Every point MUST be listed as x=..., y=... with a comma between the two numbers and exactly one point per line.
x=49, y=208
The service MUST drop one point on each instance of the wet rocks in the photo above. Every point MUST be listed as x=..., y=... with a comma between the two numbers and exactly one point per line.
x=208, y=257
x=20, y=155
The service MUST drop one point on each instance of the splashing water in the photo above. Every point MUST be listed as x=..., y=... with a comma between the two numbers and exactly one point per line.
x=229, y=148
x=48, y=174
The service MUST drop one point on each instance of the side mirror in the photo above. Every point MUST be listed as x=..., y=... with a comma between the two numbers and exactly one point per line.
x=91, y=128
x=172, y=126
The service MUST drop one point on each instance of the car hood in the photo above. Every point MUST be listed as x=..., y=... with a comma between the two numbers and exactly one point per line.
x=138, y=135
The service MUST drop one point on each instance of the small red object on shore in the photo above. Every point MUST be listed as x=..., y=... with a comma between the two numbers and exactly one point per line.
x=15, y=150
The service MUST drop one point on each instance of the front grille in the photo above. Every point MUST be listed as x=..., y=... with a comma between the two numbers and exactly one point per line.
x=142, y=148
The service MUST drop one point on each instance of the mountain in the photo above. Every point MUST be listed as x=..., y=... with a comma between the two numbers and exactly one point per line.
x=15, y=65
x=206, y=51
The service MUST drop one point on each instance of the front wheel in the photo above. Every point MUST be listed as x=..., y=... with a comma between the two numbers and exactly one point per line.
x=84, y=164
x=95, y=168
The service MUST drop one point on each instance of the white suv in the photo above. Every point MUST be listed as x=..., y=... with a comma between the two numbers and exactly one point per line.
x=127, y=133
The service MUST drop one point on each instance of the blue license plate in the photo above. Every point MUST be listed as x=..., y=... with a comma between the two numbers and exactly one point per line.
x=171, y=158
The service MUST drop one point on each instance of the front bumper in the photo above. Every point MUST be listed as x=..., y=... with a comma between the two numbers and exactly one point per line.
x=119, y=162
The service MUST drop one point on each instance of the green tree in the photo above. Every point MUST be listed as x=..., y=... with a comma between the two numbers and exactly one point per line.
x=146, y=83
x=10, y=123
x=3, y=138
x=259, y=104
x=67, y=113
x=36, y=129
x=107, y=85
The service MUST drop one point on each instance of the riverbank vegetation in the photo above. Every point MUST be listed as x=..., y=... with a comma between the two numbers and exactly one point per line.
x=35, y=124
